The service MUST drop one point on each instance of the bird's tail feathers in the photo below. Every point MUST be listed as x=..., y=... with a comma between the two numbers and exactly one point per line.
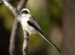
x=50, y=42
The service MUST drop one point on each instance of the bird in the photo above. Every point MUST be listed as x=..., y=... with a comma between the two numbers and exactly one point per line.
x=29, y=25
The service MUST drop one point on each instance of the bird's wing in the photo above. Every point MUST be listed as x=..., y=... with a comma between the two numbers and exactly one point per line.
x=36, y=27
x=33, y=20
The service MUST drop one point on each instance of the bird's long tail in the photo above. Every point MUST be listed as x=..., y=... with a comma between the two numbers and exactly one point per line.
x=50, y=42
x=42, y=35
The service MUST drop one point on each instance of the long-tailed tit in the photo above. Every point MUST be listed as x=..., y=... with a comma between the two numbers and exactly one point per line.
x=30, y=26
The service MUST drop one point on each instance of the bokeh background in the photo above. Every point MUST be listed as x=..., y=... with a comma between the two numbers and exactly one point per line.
x=48, y=15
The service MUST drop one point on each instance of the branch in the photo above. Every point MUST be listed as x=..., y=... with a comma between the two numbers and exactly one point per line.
x=11, y=8
x=15, y=11
x=25, y=43
x=7, y=0
x=22, y=4
x=13, y=38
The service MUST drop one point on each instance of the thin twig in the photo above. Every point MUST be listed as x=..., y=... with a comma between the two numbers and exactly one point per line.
x=11, y=8
x=22, y=4
x=8, y=1
x=15, y=24
x=13, y=38
x=25, y=43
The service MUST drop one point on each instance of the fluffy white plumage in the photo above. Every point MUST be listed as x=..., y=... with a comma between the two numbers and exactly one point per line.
x=24, y=18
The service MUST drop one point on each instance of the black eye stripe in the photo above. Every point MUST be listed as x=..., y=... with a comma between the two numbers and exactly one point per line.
x=26, y=12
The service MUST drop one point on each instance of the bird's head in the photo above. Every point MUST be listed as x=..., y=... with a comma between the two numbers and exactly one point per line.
x=25, y=11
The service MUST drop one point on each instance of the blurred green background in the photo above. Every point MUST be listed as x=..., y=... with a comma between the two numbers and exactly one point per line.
x=48, y=15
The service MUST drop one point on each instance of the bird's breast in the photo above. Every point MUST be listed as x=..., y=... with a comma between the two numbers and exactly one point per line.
x=26, y=26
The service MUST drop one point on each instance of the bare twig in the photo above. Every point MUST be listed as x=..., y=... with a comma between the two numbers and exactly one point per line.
x=10, y=7
x=25, y=43
x=13, y=38
x=8, y=1
x=21, y=4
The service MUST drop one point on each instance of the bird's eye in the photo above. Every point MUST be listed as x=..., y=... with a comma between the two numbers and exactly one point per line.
x=26, y=12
